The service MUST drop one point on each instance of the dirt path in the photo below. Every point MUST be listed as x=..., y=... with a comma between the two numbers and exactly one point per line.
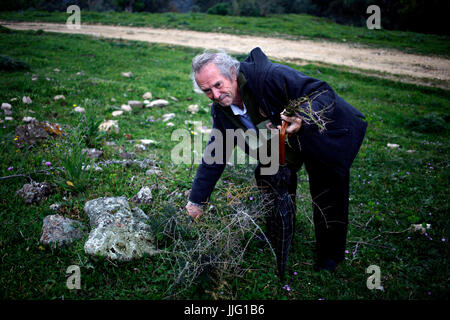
x=393, y=64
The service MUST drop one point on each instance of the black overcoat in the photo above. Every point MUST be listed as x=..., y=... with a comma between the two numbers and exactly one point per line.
x=273, y=85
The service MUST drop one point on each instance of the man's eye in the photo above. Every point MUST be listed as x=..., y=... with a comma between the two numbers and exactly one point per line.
x=218, y=85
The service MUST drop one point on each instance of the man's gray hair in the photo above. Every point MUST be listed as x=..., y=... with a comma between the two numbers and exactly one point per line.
x=226, y=64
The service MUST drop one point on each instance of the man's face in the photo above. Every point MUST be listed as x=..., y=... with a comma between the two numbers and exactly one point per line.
x=216, y=86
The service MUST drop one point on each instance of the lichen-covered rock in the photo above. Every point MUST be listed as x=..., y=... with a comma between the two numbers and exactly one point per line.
x=34, y=192
x=119, y=231
x=119, y=243
x=59, y=230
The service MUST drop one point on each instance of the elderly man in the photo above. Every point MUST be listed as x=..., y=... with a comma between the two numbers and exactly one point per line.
x=255, y=91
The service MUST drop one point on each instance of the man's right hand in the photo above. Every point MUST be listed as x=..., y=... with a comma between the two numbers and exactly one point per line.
x=193, y=210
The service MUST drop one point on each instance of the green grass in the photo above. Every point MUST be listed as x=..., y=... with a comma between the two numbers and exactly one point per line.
x=390, y=188
x=291, y=26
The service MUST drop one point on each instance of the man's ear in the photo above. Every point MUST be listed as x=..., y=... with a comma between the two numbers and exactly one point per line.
x=233, y=73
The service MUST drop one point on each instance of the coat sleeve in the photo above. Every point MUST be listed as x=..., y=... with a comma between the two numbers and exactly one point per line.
x=209, y=173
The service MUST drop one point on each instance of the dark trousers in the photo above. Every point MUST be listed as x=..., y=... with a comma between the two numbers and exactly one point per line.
x=330, y=193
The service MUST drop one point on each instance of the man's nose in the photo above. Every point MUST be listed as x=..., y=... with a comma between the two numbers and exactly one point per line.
x=216, y=93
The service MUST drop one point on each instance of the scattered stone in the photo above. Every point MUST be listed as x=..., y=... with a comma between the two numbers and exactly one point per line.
x=154, y=170
x=144, y=196
x=113, y=99
x=146, y=102
x=79, y=110
x=59, y=230
x=6, y=106
x=81, y=73
x=126, y=155
x=117, y=113
x=147, y=142
x=92, y=153
x=420, y=228
x=59, y=97
x=147, y=95
x=34, y=192
x=26, y=100
x=9, y=118
x=193, y=108
x=55, y=207
x=110, y=143
x=158, y=103
x=31, y=133
x=109, y=125
x=168, y=116
x=140, y=148
x=135, y=104
x=34, y=77
x=14, y=99
x=126, y=108
x=170, y=124
x=89, y=167
x=411, y=151
x=127, y=74
x=393, y=145
x=173, y=98
x=120, y=232
x=56, y=70
x=28, y=119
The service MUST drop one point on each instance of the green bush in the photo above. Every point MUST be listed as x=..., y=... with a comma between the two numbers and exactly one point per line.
x=427, y=124
x=222, y=9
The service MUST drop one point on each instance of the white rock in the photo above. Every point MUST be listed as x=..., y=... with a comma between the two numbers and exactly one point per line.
x=154, y=170
x=79, y=110
x=6, y=106
x=146, y=102
x=127, y=74
x=147, y=142
x=140, y=148
x=135, y=104
x=117, y=113
x=126, y=108
x=120, y=232
x=34, y=77
x=59, y=230
x=168, y=116
x=193, y=108
x=170, y=124
x=158, y=103
x=26, y=100
x=109, y=125
x=411, y=151
x=55, y=207
x=56, y=70
x=173, y=98
x=393, y=145
x=28, y=119
x=143, y=196
x=113, y=100
x=88, y=167
x=147, y=95
x=59, y=97
x=9, y=118
x=14, y=99
x=420, y=228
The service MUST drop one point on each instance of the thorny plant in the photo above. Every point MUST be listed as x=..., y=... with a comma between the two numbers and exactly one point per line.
x=303, y=108
x=213, y=245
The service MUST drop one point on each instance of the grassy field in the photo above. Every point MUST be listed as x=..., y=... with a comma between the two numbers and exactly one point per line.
x=390, y=188
x=292, y=26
